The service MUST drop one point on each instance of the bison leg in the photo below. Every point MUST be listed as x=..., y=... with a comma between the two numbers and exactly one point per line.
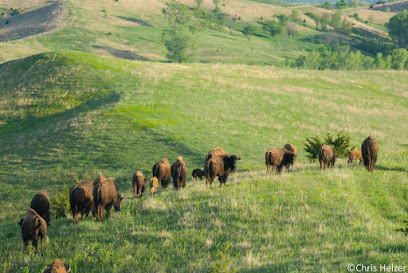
x=42, y=245
x=108, y=208
x=268, y=169
x=273, y=169
x=26, y=242
x=34, y=243
x=279, y=169
x=135, y=190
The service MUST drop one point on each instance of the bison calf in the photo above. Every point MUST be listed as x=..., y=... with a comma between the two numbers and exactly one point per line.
x=154, y=184
x=57, y=266
x=369, y=152
x=354, y=155
x=179, y=173
x=220, y=166
x=197, y=173
x=33, y=228
x=161, y=170
x=42, y=205
x=105, y=196
x=326, y=157
x=139, y=183
x=81, y=199
x=277, y=158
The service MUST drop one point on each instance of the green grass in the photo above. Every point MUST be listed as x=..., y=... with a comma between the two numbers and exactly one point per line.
x=68, y=116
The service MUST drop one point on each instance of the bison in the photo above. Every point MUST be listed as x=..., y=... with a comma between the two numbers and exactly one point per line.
x=369, y=151
x=81, y=199
x=277, y=158
x=42, y=205
x=290, y=148
x=354, y=155
x=197, y=173
x=326, y=157
x=57, y=266
x=161, y=170
x=154, y=183
x=215, y=152
x=105, y=196
x=179, y=173
x=33, y=228
x=221, y=166
x=139, y=183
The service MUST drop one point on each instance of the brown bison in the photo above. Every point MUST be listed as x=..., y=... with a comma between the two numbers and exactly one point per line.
x=81, y=199
x=290, y=148
x=154, y=183
x=161, y=170
x=33, y=228
x=215, y=152
x=179, y=173
x=277, y=158
x=326, y=157
x=354, y=155
x=197, y=173
x=105, y=196
x=42, y=205
x=369, y=151
x=57, y=266
x=221, y=166
x=139, y=183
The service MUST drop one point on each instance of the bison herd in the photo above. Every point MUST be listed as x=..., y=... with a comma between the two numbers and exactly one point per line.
x=103, y=193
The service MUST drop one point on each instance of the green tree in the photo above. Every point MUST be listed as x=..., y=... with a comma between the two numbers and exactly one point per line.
x=249, y=30
x=216, y=3
x=397, y=29
x=399, y=58
x=341, y=4
x=199, y=3
x=379, y=61
x=180, y=39
x=273, y=27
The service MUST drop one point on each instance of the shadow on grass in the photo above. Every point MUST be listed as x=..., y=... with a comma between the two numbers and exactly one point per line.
x=394, y=169
x=136, y=21
x=122, y=54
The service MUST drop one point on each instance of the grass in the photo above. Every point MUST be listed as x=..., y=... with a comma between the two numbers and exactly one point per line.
x=97, y=114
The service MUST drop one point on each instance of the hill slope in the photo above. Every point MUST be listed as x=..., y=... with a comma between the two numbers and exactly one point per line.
x=96, y=114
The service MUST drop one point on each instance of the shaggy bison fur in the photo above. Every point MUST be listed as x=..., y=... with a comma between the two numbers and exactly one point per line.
x=277, y=158
x=57, y=266
x=221, y=166
x=369, y=151
x=197, y=173
x=105, y=196
x=33, y=228
x=154, y=184
x=42, y=205
x=326, y=157
x=215, y=152
x=139, y=183
x=81, y=199
x=354, y=155
x=161, y=170
x=291, y=148
x=179, y=173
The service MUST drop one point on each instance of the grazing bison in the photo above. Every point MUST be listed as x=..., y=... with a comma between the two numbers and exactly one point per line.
x=42, y=205
x=369, y=151
x=154, y=183
x=221, y=166
x=161, y=170
x=105, y=196
x=277, y=158
x=354, y=155
x=57, y=266
x=326, y=157
x=179, y=173
x=290, y=148
x=215, y=152
x=81, y=199
x=139, y=183
x=197, y=173
x=33, y=228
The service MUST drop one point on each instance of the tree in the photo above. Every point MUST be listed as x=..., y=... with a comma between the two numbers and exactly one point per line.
x=273, y=27
x=249, y=30
x=397, y=29
x=180, y=39
x=216, y=3
x=341, y=4
x=399, y=58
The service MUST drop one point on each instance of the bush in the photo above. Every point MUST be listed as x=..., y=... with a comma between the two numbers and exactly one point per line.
x=60, y=204
x=341, y=145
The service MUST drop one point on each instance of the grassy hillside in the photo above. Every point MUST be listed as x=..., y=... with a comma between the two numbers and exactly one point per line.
x=68, y=116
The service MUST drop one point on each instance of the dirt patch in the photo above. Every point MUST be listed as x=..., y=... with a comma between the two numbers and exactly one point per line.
x=41, y=20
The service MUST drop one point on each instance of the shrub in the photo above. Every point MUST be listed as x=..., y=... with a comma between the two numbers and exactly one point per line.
x=60, y=204
x=341, y=145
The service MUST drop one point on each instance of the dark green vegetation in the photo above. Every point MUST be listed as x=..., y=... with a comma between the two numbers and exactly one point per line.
x=114, y=116
x=340, y=144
